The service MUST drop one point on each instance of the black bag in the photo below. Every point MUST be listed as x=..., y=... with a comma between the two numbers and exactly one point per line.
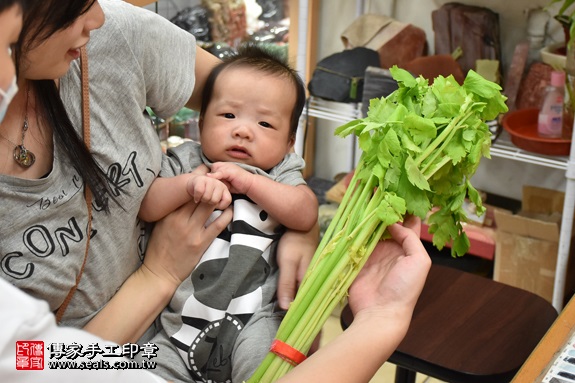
x=340, y=76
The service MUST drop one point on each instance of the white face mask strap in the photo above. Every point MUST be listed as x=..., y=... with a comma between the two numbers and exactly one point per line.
x=10, y=92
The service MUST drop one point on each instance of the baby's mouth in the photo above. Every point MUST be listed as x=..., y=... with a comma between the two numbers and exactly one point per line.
x=238, y=152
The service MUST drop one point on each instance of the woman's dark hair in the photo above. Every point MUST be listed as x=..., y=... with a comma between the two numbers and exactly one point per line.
x=42, y=18
x=267, y=61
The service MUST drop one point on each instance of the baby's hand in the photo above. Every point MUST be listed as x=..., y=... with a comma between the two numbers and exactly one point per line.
x=239, y=180
x=209, y=190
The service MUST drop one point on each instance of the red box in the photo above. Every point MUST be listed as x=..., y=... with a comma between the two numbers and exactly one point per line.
x=29, y=355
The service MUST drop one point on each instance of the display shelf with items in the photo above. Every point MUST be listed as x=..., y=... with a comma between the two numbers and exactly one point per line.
x=337, y=112
x=502, y=147
x=220, y=26
x=522, y=125
x=183, y=126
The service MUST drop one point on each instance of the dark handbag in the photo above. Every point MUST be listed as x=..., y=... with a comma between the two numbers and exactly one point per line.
x=340, y=76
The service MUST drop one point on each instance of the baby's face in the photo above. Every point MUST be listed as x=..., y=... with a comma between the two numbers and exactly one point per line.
x=248, y=118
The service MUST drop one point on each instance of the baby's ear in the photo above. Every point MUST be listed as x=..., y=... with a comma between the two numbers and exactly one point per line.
x=291, y=142
x=200, y=122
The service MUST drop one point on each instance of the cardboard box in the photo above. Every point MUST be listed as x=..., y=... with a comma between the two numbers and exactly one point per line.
x=527, y=243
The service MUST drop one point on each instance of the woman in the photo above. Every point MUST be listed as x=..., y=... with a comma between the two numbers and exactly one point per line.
x=43, y=208
x=22, y=317
x=43, y=163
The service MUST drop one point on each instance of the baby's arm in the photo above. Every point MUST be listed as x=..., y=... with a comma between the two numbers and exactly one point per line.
x=295, y=207
x=164, y=196
x=167, y=194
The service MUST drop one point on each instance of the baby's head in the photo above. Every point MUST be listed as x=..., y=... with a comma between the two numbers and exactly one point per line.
x=250, y=109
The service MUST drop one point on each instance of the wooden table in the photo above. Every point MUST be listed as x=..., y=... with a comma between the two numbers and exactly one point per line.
x=547, y=350
x=467, y=328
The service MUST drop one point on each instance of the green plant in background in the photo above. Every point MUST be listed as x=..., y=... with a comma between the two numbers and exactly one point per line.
x=420, y=147
x=156, y=120
x=176, y=125
x=183, y=115
x=562, y=16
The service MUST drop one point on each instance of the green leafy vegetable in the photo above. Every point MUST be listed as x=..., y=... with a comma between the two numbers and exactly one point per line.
x=420, y=147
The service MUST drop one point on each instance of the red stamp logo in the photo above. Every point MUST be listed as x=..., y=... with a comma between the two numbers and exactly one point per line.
x=29, y=355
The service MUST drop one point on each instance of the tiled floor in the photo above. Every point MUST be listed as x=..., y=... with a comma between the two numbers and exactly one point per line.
x=386, y=373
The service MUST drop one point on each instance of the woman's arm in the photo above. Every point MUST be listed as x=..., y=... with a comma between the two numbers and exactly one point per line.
x=175, y=247
x=24, y=317
x=382, y=298
x=355, y=355
x=205, y=62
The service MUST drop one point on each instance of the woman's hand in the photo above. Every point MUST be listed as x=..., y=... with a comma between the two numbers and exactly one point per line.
x=393, y=277
x=382, y=298
x=179, y=240
x=175, y=247
x=295, y=252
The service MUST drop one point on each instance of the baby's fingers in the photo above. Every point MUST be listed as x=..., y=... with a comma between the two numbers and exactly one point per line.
x=225, y=200
x=200, y=192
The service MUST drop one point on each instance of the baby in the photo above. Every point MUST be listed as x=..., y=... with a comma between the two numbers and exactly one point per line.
x=223, y=319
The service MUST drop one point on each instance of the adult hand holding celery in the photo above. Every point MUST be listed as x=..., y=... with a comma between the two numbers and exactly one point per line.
x=420, y=147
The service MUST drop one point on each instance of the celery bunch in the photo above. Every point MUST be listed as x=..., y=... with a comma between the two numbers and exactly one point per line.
x=420, y=147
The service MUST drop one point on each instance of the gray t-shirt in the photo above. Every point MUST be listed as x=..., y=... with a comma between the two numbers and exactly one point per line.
x=43, y=222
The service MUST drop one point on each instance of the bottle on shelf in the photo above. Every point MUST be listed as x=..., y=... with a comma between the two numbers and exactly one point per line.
x=550, y=121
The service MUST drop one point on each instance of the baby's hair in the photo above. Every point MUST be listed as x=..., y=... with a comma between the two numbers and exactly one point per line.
x=265, y=60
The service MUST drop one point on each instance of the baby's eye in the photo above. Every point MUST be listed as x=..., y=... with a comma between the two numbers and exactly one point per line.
x=229, y=115
x=265, y=124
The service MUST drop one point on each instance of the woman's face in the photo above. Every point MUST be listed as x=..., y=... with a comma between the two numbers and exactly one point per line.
x=10, y=26
x=51, y=59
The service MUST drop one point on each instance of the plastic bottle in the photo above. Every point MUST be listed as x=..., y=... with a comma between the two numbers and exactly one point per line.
x=550, y=122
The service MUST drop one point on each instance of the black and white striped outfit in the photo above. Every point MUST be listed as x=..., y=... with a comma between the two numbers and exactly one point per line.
x=228, y=300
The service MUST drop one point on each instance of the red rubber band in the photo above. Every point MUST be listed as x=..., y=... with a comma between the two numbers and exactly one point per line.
x=287, y=352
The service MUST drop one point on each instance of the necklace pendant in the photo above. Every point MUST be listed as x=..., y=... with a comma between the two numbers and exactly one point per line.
x=23, y=156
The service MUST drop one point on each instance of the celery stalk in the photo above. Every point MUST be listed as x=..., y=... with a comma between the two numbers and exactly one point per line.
x=417, y=153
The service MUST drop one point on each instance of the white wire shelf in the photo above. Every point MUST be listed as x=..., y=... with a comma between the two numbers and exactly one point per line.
x=334, y=111
x=502, y=147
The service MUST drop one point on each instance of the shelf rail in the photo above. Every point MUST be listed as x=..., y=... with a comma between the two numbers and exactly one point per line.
x=333, y=111
x=503, y=148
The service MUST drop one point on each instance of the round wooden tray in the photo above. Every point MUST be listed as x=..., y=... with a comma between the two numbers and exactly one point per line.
x=522, y=127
